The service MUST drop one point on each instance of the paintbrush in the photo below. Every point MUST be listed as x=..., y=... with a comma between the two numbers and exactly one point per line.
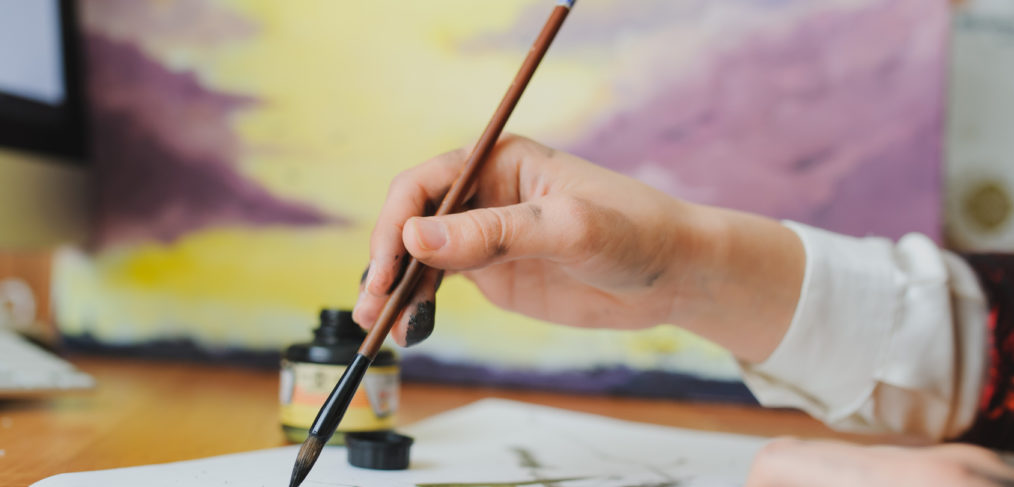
x=337, y=403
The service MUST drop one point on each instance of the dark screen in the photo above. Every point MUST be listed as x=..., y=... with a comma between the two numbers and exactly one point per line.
x=41, y=107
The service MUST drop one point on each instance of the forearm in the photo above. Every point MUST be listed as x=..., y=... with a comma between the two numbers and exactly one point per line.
x=748, y=275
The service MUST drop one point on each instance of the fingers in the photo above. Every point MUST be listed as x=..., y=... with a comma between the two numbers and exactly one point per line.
x=417, y=192
x=787, y=462
x=545, y=228
x=791, y=463
x=417, y=319
x=412, y=193
x=983, y=462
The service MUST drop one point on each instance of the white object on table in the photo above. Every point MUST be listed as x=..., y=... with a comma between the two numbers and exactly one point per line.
x=489, y=443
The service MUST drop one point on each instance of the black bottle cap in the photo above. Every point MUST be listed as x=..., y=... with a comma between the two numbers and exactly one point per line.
x=378, y=450
x=337, y=324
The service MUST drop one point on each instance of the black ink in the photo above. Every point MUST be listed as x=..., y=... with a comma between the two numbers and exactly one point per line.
x=366, y=272
x=401, y=272
x=420, y=323
x=526, y=458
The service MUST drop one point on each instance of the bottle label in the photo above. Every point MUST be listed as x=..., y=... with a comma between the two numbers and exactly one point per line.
x=305, y=386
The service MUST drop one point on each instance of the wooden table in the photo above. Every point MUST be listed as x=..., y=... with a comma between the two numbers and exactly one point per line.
x=152, y=412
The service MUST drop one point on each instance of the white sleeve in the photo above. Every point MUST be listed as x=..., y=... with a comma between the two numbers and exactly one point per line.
x=885, y=338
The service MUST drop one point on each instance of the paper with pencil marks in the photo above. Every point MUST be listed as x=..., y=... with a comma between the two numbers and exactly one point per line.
x=490, y=443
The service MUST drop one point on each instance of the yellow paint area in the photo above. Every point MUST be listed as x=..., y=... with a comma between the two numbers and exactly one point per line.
x=351, y=93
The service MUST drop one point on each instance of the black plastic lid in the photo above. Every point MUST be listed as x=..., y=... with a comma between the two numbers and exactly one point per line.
x=338, y=325
x=378, y=450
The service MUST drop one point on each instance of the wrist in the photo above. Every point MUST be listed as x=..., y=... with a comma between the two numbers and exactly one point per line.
x=698, y=261
x=742, y=283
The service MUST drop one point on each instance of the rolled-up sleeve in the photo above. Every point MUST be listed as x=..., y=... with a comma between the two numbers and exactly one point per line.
x=886, y=337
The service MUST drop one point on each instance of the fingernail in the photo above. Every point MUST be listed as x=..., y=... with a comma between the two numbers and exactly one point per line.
x=420, y=322
x=431, y=234
x=355, y=309
x=366, y=271
x=367, y=276
x=402, y=266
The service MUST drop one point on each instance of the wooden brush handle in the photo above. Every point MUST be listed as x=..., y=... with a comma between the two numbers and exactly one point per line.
x=453, y=199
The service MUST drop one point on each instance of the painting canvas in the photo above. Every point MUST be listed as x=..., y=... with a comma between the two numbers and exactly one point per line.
x=244, y=147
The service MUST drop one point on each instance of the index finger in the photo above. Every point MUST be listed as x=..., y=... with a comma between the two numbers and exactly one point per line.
x=415, y=192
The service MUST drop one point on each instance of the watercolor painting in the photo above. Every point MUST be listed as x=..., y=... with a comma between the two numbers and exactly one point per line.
x=244, y=148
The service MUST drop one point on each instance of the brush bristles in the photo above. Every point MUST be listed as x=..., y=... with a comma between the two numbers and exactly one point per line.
x=307, y=456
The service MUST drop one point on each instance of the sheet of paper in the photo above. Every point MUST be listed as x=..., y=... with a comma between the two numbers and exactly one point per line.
x=488, y=443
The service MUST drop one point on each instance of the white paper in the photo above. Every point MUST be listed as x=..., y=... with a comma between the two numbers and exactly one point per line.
x=488, y=443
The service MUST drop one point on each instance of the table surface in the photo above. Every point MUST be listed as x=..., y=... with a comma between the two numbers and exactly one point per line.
x=146, y=412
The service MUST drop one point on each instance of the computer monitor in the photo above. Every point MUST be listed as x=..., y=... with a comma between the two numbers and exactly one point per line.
x=44, y=177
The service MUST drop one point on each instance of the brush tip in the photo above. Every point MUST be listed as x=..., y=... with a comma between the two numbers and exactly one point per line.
x=307, y=456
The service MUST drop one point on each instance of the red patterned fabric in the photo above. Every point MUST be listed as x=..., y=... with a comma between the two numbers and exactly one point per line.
x=994, y=425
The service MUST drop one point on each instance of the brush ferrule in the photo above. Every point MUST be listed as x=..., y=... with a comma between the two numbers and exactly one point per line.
x=333, y=410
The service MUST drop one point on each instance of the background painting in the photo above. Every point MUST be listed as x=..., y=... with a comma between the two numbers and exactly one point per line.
x=244, y=148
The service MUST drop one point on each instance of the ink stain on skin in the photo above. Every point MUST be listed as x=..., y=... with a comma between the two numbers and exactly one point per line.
x=536, y=211
x=653, y=278
x=366, y=272
x=420, y=322
x=402, y=265
x=500, y=249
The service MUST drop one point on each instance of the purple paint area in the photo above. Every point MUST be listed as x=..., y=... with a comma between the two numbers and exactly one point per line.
x=602, y=25
x=164, y=153
x=181, y=349
x=614, y=380
x=180, y=22
x=835, y=122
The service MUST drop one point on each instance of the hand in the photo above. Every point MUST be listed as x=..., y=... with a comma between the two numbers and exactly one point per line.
x=791, y=463
x=557, y=238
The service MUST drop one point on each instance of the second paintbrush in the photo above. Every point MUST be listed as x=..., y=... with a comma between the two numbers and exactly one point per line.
x=337, y=403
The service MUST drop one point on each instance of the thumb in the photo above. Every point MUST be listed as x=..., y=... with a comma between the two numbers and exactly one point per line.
x=481, y=237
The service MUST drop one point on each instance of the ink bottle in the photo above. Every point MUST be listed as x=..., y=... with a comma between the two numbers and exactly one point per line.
x=310, y=370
